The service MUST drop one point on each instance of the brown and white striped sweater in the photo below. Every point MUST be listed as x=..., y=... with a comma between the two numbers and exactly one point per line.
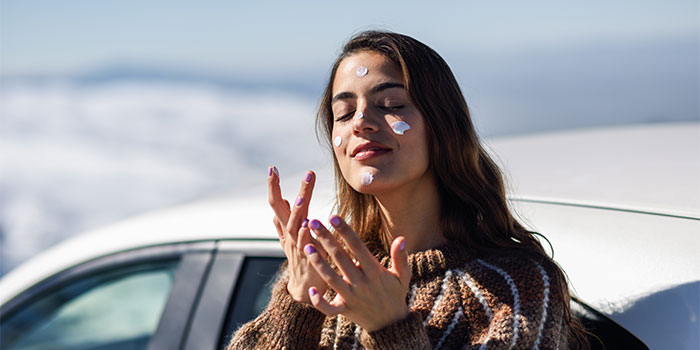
x=457, y=301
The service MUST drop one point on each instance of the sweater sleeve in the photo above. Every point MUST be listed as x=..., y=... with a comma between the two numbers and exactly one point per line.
x=285, y=324
x=406, y=334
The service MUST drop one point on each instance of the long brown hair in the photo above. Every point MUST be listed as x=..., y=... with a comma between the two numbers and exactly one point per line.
x=473, y=204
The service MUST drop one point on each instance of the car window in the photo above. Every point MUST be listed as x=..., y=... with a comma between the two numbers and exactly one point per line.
x=115, y=309
x=252, y=293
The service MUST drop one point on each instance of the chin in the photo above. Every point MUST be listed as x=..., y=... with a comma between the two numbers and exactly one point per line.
x=364, y=189
x=375, y=188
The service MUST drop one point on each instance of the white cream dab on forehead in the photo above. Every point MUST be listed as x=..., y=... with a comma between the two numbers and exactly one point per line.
x=367, y=178
x=337, y=141
x=361, y=71
x=400, y=127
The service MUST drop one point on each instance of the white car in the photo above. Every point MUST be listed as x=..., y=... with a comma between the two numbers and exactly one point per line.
x=621, y=207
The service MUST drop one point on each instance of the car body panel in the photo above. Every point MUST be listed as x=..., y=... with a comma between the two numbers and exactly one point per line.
x=627, y=263
x=653, y=246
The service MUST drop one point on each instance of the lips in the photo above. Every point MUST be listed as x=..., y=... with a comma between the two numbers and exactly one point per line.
x=369, y=150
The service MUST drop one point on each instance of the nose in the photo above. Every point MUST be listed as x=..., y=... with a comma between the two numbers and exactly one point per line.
x=363, y=121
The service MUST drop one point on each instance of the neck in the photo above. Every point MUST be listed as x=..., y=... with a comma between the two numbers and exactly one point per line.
x=414, y=213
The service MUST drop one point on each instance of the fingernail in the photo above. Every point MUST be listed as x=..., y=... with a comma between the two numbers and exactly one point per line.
x=274, y=170
x=305, y=223
x=315, y=224
x=299, y=201
x=313, y=291
x=402, y=246
x=269, y=171
x=335, y=221
x=309, y=249
x=308, y=178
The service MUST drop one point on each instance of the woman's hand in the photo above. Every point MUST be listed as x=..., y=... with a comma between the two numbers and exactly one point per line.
x=367, y=293
x=292, y=228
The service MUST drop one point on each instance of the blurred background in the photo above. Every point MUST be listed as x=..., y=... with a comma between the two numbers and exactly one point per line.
x=109, y=109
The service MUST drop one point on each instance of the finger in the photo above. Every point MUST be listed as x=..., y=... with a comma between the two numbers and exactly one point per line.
x=300, y=207
x=399, y=261
x=278, y=227
x=325, y=271
x=323, y=305
x=304, y=235
x=306, y=191
x=359, y=250
x=274, y=195
x=335, y=250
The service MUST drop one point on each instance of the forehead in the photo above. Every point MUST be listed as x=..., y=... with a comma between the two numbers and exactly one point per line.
x=379, y=70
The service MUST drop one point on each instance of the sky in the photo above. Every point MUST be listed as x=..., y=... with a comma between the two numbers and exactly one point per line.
x=269, y=38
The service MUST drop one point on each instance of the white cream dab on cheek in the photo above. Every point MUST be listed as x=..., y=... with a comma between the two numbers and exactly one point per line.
x=361, y=71
x=367, y=178
x=400, y=127
x=337, y=141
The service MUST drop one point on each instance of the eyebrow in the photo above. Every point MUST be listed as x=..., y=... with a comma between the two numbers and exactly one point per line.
x=377, y=88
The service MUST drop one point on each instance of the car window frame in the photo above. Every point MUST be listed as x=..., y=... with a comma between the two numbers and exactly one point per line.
x=194, y=261
x=217, y=292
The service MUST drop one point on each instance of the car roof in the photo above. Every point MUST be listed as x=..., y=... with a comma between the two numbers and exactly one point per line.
x=599, y=168
x=652, y=168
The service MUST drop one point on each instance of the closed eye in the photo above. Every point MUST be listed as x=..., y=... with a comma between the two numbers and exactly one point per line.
x=391, y=108
x=344, y=117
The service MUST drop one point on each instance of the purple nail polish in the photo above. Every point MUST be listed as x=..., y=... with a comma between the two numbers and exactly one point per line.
x=308, y=178
x=335, y=221
x=269, y=171
x=402, y=246
x=313, y=291
x=305, y=223
x=299, y=201
x=274, y=170
x=315, y=224
x=309, y=249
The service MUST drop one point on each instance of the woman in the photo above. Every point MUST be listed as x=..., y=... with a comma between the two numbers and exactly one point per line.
x=430, y=256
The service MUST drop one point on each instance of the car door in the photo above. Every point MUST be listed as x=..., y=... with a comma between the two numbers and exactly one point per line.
x=237, y=289
x=142, y=298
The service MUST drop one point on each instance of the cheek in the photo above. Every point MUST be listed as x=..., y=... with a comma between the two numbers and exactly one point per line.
x=339, y=151
x=338, y=142
x=419, y=142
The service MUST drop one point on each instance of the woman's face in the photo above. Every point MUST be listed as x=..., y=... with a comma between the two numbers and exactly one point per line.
x=375, y=151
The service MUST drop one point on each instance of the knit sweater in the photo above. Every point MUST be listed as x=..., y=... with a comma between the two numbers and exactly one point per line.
x=456, y=300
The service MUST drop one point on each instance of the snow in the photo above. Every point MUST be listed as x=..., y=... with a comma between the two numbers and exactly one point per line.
x=76, y=157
